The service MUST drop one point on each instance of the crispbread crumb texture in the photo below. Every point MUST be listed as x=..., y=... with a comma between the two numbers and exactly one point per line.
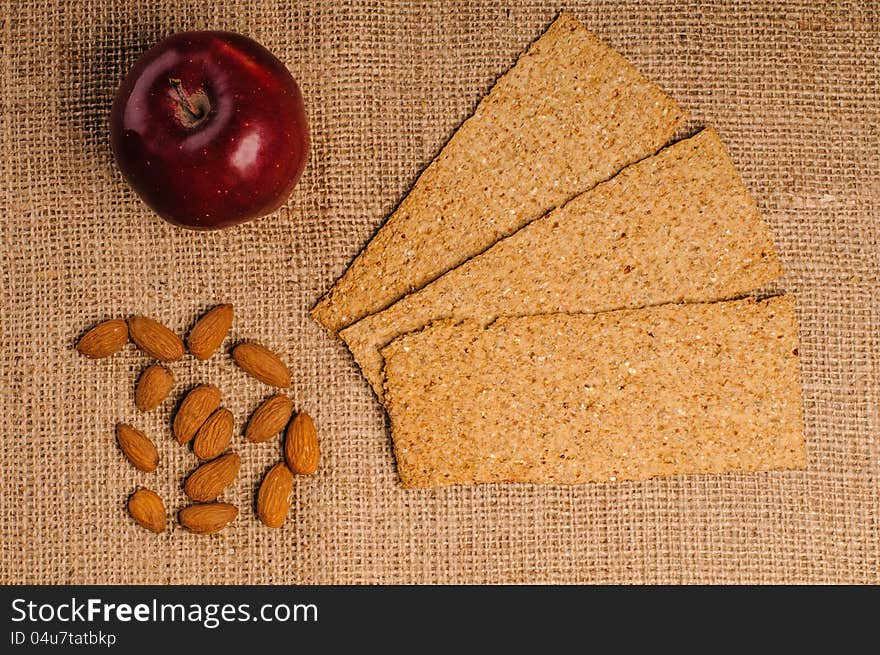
x=678, y=226
x=571, y=113
x=625, y=395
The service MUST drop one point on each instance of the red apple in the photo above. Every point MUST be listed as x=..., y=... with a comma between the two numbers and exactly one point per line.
x=210, y=130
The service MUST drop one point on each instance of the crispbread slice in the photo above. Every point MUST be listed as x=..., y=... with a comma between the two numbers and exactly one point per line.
x=625, y=395
x=571, y=113
x=679, y=226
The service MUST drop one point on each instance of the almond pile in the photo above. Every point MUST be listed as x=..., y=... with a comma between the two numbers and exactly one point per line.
x=201, y=421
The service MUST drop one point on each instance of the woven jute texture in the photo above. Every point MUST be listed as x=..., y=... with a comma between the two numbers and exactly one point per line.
x=794, y=90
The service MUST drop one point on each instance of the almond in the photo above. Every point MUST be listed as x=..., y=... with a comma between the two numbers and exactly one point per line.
x=269, y=418
x=104, y=339
x=209, y=480
x=273, y=499
x=262, y=363
x=194, y=410
x=147, y=509
x=155, y=339
x=214, y=435
x=207, y=518
x=209, y=331
x=137, y=447
x=301, y=446
x=153, y=387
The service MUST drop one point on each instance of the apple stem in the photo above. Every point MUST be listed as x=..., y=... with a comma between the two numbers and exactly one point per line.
x=185, y=100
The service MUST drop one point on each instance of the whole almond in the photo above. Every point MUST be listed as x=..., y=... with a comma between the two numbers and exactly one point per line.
x=153, y=387
x=194, y=410
x=207, y=518
x=261, y=363
x=214, y=435
x=155, y=339
x=210, y=479
x=104, y=339
x=273, y=499
x=301, y=445
x=209, y=331
x=137, y=447
x=269, y=418
x=147, y=509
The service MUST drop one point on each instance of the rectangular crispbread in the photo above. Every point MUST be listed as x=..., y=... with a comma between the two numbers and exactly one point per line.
x=571, y=113
x=677, y=227
x=625, y=395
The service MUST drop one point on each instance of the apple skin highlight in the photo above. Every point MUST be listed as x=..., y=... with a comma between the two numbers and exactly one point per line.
x=210, y=130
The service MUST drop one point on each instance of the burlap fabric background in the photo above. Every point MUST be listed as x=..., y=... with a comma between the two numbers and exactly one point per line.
x=793, y=88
